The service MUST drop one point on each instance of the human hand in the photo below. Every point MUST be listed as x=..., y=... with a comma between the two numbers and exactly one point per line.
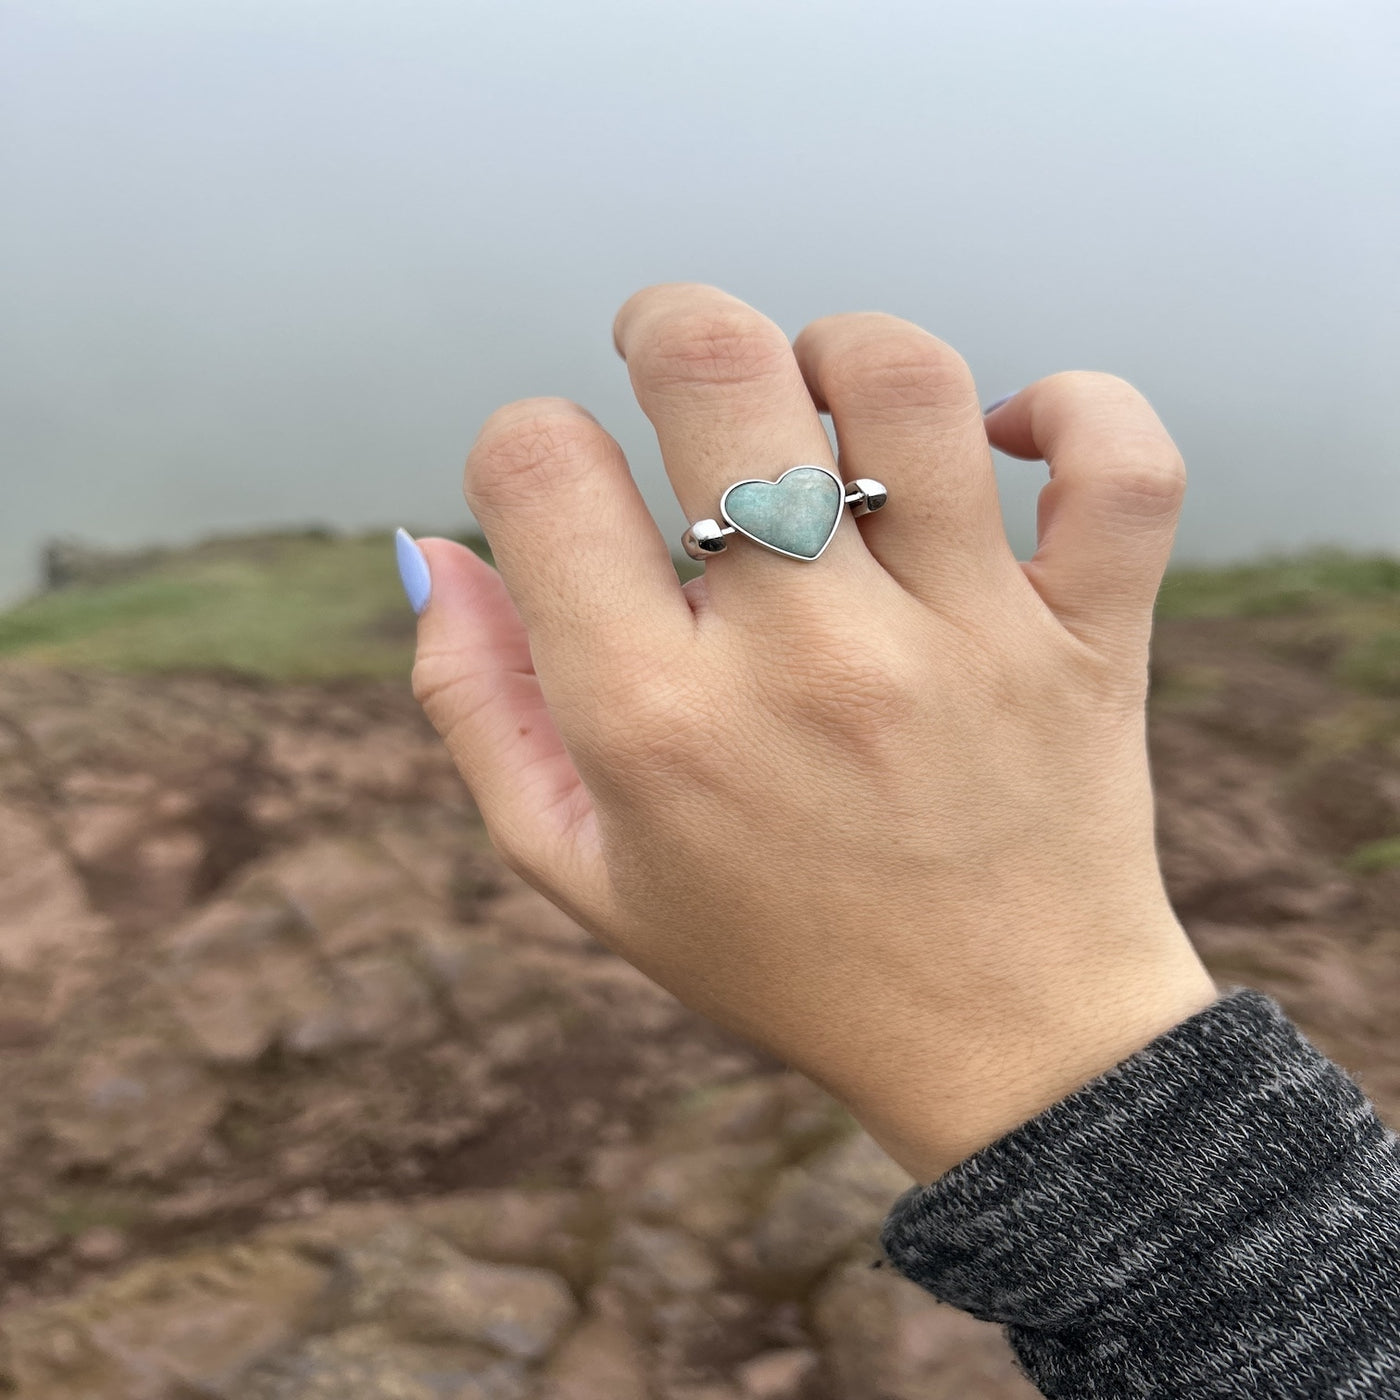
x=886, y=814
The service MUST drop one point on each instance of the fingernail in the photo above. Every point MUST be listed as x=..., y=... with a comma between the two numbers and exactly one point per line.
x=992, y=407
x=413, y=570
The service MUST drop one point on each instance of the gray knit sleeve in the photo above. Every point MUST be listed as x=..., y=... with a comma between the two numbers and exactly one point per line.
x=1218, y=1216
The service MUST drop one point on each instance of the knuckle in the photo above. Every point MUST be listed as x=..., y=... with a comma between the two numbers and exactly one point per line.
x=456, y=702
x=1090, y=386
x=453, y=703
x=641, y=721
x=897, y=373
x=714, y=345
x=435, y=679
x=1101, y=402
x=1128, y=456
x=857, y=688
x=1149, y=478
x=532, y=448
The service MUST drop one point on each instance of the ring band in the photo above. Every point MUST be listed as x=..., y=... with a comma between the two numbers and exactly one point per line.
x=796, y=515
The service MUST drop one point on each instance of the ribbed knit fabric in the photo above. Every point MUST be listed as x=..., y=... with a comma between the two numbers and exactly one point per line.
x=1218, y=1216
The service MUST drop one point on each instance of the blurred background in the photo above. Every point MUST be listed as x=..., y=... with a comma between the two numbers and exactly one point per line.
x=274, y=262
x=305, y=1092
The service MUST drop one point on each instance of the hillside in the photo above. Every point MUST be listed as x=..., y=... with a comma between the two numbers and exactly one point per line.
x=308, y=1096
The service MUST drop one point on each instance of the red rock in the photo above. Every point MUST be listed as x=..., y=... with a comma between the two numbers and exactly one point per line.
x=648, y=1262
x=820, y=1208
x=598, y=1361
x=777, y=1375
x=100, y=1245
x=193, y=1322
x=46, y=921
x=885, y=1339
x=712, y=1192
x=138, y=1108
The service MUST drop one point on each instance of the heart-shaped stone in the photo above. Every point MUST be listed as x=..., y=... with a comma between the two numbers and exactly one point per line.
x=796, y=515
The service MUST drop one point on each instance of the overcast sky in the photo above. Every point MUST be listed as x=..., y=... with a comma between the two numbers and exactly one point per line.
x=274, y=262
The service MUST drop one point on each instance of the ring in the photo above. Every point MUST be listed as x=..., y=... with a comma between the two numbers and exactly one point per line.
x=795, y=515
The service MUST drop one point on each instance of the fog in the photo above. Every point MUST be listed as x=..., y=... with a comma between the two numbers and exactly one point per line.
x=273, y=263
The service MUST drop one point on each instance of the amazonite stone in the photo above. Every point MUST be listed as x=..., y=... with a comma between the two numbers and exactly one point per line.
x=797, y=513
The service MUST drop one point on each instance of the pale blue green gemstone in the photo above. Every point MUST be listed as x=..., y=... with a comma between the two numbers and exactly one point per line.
x=796, y=513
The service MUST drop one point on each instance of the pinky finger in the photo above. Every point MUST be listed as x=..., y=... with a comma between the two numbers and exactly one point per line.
x=1107, y=516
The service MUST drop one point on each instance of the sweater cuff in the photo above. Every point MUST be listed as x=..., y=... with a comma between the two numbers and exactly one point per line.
x=1169, y=1183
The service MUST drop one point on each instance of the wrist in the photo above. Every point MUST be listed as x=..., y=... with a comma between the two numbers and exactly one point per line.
x=1011, y=1064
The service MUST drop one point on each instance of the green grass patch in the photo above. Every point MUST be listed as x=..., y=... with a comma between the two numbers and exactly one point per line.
x=1346, y=606
x=1281, y=587
x=1372, y=662
x=70, y=1216
x=313, y=606
x=1375, y=857
x=287, y=607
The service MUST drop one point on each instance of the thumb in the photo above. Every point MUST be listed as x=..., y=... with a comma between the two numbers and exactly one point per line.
x=475, y=679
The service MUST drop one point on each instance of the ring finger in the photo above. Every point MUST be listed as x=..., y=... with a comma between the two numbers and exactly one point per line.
x=727, y=399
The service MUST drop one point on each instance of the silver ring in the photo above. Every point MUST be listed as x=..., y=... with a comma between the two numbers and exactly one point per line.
x=796, y=515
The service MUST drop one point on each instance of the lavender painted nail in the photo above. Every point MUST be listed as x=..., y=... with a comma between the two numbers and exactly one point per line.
x=992, y=407
x=413, y=570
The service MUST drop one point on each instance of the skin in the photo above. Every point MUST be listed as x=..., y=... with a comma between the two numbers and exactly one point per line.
x=886, y=814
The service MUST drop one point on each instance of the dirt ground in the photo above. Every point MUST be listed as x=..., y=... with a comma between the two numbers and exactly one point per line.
x=307, y=1096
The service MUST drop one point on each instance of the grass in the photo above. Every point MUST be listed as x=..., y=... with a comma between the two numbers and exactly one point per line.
x=1375, y=857
x=1348, y=602
x=288, y=607
x=70, y=1216
x=312, y=606
x=1284, y=586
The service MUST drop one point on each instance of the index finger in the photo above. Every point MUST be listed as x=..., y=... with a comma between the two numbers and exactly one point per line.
x=577, y=549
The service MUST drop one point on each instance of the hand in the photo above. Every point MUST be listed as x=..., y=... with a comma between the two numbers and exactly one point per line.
x=886, y=814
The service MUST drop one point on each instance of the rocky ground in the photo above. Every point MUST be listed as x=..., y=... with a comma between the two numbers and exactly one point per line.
x=306, y=1096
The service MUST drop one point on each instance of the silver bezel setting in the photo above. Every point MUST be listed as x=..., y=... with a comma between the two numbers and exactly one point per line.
x=766, y=481
x=704, y=539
